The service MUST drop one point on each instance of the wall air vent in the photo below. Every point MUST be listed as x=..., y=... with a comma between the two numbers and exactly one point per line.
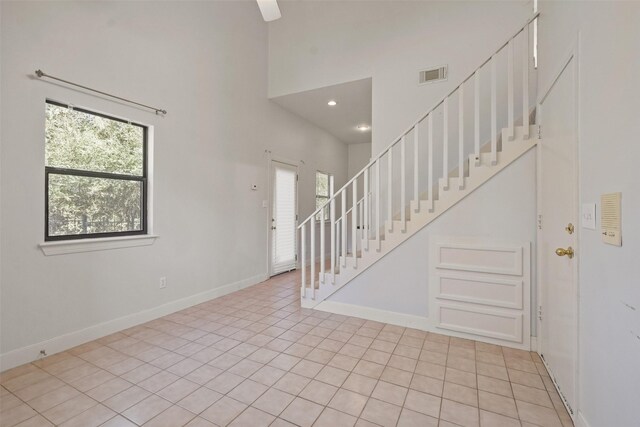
x=431, y=75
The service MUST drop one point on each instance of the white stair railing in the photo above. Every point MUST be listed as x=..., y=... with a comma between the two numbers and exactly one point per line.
x=370, y=217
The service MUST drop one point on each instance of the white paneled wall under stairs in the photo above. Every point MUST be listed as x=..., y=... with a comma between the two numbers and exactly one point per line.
x=429, y=168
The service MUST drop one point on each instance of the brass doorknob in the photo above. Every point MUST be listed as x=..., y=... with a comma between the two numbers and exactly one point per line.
x=562, y=252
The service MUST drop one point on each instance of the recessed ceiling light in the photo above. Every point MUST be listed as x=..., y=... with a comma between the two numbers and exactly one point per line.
x=363, y=128
x=332, y=103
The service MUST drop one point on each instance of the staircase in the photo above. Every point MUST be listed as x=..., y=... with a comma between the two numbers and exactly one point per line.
x=433, y=165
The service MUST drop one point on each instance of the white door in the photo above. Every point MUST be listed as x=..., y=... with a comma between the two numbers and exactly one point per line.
x=558, y=231
x=283, y=217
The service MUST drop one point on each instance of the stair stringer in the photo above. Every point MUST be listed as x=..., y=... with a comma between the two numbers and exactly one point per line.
x=478, y=175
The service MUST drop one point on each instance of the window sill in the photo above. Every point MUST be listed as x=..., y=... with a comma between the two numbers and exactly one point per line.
x=100, y=244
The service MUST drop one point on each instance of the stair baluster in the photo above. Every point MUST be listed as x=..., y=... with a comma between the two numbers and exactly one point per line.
x=369, y=211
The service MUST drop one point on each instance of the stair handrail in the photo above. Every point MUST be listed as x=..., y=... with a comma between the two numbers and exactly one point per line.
x=417, y=122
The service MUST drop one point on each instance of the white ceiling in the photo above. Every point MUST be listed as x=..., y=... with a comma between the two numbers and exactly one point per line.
x=342, y=120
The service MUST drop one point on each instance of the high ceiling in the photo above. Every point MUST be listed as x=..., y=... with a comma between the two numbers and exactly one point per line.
x=353, y=109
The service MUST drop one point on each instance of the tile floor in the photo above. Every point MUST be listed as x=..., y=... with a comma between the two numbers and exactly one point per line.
x=255, y=358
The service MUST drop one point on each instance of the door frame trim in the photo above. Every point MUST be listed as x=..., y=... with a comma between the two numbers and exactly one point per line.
x=571, y=55
x=283, y=160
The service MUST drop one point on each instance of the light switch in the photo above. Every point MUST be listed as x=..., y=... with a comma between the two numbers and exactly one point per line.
x=589, y=216
x=611, y=218
x=264, y=204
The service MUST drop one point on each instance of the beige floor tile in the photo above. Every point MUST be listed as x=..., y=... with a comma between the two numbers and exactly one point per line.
x=37, y=421
x=126, y=399
x=301, y=412
x=200, y=422
x=462, y=352
x=225, y=382
x=396, y=376
x=460, y=394
x=38, y=389
x=493, y=371
x=225, y=361
x=259, y=347
x=320, y=356
x=427, y=384
x=360, y=384
x=158, y=381
x=333, y=376
x=531, y=395
x=429, y=369
x=247, y=391
x=496, y=386
x=402, y=362
x=539, y=415
x=273, y=401
x=307, y=368
x=490, y=419
x=147, y=409
x=17, y=414
x=332, y=418
x=69, y=409
x=200, y=400
x=109, y=389
x=203, y=374
x=526, y=378
x=178, y=390
x=318, y=392
x=352, y=350
x=252, y=417
x=349, y=402
x=521, y=365
x=382, y=413
x=390, y=393
x=343, y=362
x=223, y=411
x=467, y=379
x=92, y=417
x=458, y=413
x=284, y=362
x=424, y=403
x=369, y=369
x=490, y=358
x=498, y=404
x=279, y=422
x=268, y=375
x=53, y=398
x=245, y=368
x=292, y=383
x=410, y=418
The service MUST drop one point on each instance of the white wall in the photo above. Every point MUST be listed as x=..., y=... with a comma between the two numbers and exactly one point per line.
x=314, y=45
x=609, y=66
x=359, y=156
x=399, y=281
x=206, y=63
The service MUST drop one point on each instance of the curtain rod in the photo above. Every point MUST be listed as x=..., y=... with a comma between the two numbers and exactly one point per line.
x=41, y=74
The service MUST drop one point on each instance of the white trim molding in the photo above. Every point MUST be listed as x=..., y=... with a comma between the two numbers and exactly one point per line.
x=62, y=247
x=64, y=342
x=375, y=314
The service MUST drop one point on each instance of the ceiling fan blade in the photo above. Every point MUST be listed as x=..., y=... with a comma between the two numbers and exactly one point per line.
x=269, y=9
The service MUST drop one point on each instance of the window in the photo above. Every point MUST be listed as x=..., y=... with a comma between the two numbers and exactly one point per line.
x=322, y=193
x=95, y=174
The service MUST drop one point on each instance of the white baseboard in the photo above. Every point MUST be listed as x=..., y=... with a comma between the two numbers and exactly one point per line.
x=405, y=320
x=375, y=314
x=64, y=342
x=581, y=421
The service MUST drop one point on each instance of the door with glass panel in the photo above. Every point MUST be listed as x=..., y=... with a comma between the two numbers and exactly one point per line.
x=284, y=181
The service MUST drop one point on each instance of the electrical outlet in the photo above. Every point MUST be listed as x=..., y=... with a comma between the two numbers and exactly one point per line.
x=163, y=282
